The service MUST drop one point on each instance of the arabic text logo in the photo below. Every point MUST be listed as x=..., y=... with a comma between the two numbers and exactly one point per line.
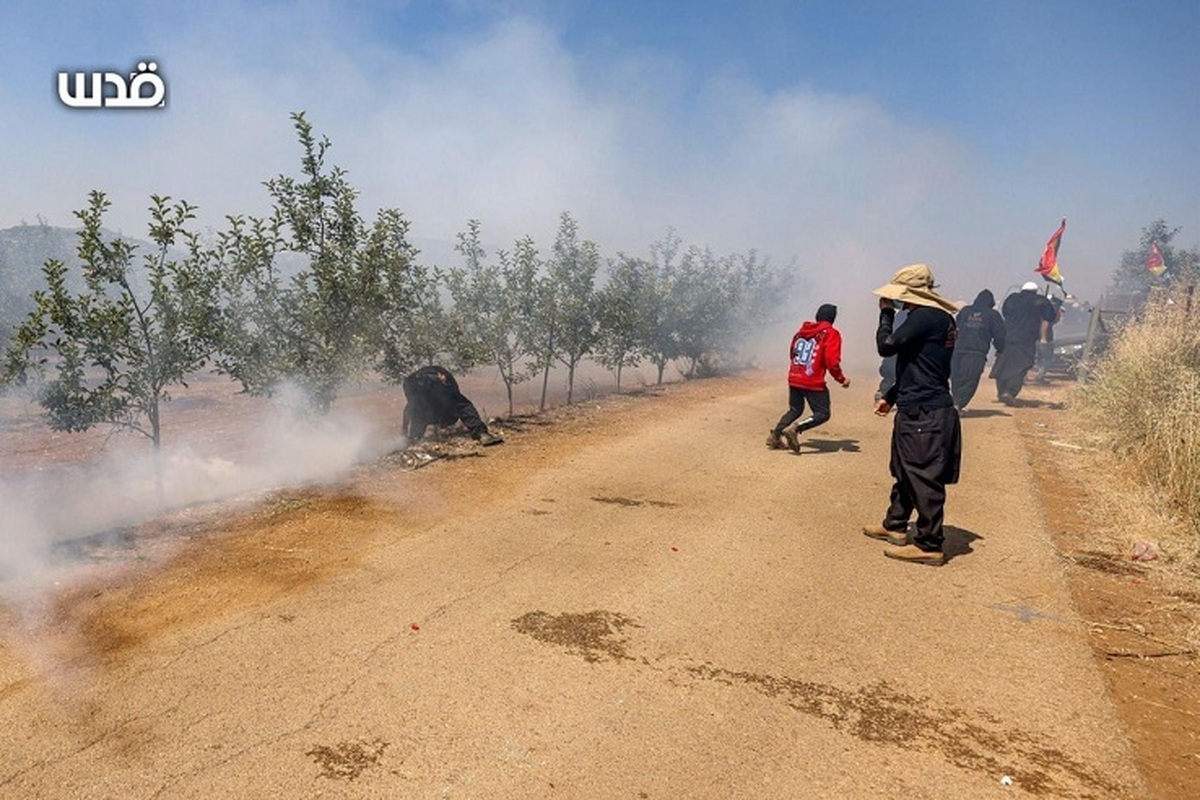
x=143, y=89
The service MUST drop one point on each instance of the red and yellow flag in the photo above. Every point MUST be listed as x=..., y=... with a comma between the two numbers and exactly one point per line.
x=1154, y=261
x=1048, y=266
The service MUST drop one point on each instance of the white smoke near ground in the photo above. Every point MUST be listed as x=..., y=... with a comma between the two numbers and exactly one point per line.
x=53, y=518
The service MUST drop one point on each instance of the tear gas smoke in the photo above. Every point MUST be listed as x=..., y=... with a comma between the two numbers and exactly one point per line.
x=49, y=514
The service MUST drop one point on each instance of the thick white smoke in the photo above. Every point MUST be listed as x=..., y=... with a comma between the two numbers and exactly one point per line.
x=52, y=516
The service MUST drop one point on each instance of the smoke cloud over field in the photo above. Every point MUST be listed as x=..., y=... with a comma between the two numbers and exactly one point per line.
x=850, y=157
x=59, y=518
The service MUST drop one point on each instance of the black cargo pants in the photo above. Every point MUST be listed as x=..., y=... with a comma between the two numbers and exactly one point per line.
x=926, y=455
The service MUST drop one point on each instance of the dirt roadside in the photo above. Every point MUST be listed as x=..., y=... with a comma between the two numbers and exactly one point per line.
x=628, y=599
x=1142, y=617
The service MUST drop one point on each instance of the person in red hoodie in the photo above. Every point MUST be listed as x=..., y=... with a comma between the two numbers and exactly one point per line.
x=816, y=348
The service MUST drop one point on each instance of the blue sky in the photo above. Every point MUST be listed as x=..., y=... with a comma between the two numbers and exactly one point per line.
x=848, y=137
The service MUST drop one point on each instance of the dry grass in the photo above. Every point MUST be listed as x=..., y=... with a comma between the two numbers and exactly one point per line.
x=1142, y=406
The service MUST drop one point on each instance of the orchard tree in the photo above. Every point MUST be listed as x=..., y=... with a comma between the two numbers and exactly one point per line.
x=659, y=338
x=573, y=271
x=758, y=295
x=311, y=290
x=493, y=306
x=415, y=334
x=114, y=349
x=619, y=307
x=564, y=326
x=702, y=306
x=1182, y=266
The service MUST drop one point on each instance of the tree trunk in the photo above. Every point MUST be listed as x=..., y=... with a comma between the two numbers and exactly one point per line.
x=156, y=440
x=546, y=371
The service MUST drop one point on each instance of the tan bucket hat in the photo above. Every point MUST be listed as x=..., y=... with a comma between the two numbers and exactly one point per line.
x=914, y=284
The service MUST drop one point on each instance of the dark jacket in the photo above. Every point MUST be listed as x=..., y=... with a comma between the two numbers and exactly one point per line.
x=1024, y=313
x=980, y=326
x=432, y=398
x=923, y=347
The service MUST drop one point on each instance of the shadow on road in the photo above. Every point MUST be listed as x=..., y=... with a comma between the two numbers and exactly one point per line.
x=982, y=412
x=832, y=445
x=958, y=542
x=1040, y=404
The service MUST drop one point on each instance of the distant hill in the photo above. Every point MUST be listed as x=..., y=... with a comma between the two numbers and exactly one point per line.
x=23, y=251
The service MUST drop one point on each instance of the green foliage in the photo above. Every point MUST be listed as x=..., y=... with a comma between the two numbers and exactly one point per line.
x=619, y=314
x=1183, y=266
x=24, y=249
x=572, y=275
x=494, y=308
x=659, y=340
x=313, y=294
x=699, y=309
x=702, y=305
x=114, y=352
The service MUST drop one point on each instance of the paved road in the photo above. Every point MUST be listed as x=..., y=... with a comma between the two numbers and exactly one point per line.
x=642, y=602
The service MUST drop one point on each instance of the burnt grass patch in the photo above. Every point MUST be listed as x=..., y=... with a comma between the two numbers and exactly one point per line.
x=629, y=501
x=594, y=635
x=976, y=742
x=877, y=713
x=347, y=760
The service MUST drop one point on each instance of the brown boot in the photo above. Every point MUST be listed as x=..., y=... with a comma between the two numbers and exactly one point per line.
x=793, y=441
x=898, y=538
x=774, y=441
x=915, y=555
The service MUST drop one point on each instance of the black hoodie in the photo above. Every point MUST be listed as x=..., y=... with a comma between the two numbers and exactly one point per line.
x=979, y=326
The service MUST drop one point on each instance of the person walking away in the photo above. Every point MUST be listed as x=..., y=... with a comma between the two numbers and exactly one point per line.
x=926, y=448
x=433, y=398
x=816, y=348
x=1027, y=316
x=980, y=327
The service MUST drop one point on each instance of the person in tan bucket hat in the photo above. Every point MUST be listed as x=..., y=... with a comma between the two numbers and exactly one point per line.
x=914, y=285
x=926, y=436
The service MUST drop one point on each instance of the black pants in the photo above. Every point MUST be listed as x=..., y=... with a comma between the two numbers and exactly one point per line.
x=1012, y=367
x=817, y=400
x=926, y=455
x=966, y=368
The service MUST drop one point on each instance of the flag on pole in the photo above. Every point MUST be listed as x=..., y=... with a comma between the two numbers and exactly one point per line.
x=1048, y=266
x=1154, y=261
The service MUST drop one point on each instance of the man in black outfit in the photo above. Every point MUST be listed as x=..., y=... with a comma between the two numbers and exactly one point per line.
x=1027, y=319
x=926, y=436
x=979, y=327
x=433, y=398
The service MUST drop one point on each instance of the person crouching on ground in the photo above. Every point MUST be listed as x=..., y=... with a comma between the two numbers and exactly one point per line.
x=433, y=398
x=815, y=349
x=926, y=447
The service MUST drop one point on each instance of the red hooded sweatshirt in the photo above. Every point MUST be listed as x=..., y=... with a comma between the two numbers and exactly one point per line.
x=816, y=347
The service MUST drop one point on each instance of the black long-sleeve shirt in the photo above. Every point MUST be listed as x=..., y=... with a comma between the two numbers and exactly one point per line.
x=923, y=346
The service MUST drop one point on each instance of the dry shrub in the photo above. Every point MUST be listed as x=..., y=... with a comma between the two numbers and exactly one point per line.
x=1143, y=403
